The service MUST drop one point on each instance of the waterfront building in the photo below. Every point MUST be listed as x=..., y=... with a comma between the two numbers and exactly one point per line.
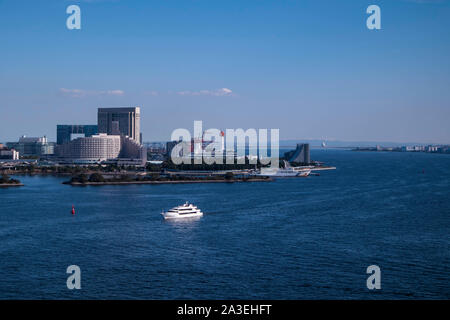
x=300, y=155
x=8, y=154
x=32, y=146
x=120, y=121
x=92, y=149
x=156, y=147
x=66, y=133
x=132, y=152
x=414, y=148
x=407, y=148
x=100, y=148
x=444, y=149
x=169, y=147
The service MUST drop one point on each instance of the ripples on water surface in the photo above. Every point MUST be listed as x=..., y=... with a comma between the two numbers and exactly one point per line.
x=290, y=239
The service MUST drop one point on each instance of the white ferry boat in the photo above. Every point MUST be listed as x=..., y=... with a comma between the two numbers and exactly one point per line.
x=278, y=172
x=303, y=172
x=288, y=171
x=186, y=210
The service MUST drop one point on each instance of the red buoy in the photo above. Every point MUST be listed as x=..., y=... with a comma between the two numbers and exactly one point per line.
x=73, y=209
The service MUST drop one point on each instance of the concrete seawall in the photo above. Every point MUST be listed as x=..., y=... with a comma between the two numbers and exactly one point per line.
x=6, y=185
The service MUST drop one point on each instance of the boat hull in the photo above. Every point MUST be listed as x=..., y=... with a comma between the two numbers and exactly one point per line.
x=172, y=215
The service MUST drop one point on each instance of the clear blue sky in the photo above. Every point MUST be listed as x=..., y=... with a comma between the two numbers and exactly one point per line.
x=308, y=67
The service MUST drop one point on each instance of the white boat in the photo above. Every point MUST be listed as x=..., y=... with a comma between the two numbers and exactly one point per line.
x=288, y=171
x=278, y=172
x=186, y=210
x=303, y=173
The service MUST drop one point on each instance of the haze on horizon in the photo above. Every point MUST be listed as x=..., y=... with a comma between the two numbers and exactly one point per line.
x=310, y=68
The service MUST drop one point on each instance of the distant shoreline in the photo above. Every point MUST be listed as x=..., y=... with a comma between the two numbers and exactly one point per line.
x=80, y=184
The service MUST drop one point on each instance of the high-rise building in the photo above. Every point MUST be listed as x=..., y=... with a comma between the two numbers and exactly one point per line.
x=66, y=133
x=123, y=121
x=300, y=154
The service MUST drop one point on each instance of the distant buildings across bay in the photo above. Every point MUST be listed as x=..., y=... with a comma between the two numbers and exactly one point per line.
x=116, y=138
x=417, y=148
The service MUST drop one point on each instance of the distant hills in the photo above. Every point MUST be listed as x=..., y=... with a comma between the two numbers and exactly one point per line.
x=314, y=143
x=343, y=144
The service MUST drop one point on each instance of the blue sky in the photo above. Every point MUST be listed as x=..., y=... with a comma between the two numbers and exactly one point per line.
x=310, y=68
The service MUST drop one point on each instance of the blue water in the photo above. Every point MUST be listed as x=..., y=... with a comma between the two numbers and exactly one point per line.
x=307, y=238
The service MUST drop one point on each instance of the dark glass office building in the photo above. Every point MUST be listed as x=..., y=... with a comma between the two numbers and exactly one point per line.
x=64, y=132
x=116, y=121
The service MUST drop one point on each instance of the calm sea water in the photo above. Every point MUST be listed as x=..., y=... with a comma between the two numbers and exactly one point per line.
x=299, y=238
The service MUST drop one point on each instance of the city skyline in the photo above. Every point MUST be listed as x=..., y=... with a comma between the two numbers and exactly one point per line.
x=268, y=65
x=225, y=159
